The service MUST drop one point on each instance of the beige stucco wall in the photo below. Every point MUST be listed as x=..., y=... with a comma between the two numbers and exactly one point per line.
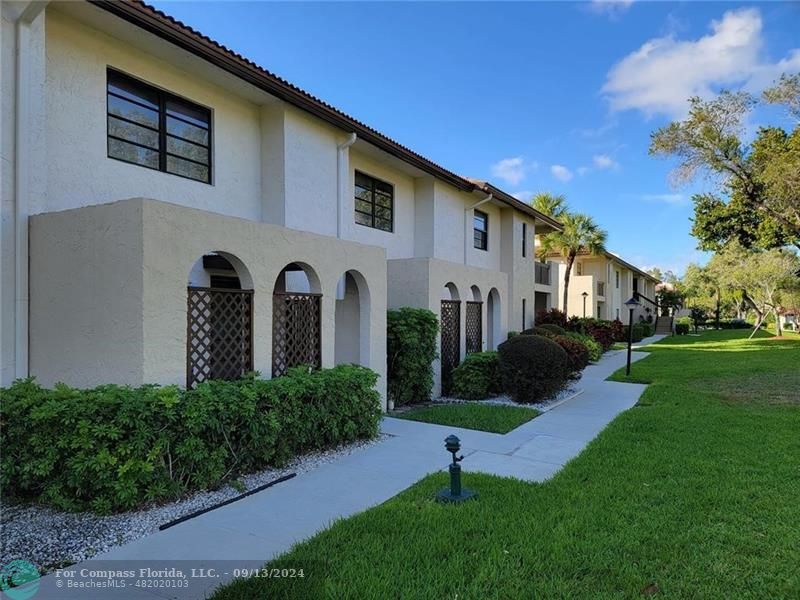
x=109, y=284
x=420, y=283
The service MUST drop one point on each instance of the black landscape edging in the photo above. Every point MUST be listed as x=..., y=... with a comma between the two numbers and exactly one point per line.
x=197, y=513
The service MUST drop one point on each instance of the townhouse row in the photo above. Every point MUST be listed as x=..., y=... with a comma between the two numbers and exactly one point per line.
x=171, y=213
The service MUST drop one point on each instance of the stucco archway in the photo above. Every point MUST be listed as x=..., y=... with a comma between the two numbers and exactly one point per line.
x=352, y=320
x=493, y=324
x=296, y=319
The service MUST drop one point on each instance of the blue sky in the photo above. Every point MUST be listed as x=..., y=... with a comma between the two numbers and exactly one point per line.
x=547, y=96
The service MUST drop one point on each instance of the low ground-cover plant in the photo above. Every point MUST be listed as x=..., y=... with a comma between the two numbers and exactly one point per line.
x=114, y=448
x=478, y=377
x=411, y=350
x=532, y=367
x=577, y=353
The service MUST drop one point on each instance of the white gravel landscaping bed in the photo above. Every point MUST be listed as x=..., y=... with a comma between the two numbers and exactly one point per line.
x=568, y=393
x=52, y=538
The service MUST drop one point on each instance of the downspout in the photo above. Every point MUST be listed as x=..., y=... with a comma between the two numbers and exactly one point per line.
x=22, y=125
x=342, y=163
x=467, y=211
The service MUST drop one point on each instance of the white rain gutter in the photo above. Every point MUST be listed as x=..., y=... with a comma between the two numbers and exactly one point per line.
x=342, y=176
x=22, y=151
x=467, y=212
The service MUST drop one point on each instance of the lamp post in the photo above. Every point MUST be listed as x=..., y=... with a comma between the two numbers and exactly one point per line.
x=456, y=493
x=585, y=295
x=631, y=304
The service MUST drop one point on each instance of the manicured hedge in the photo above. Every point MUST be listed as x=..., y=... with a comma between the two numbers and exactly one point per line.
x=411, y=350
x=478, y=377
x=555, y=329
x=603, y=332
x=544, y=332
x=114, y=448
x=682, y=328
x=577, y=353
x=595, y=350
x=532, y=367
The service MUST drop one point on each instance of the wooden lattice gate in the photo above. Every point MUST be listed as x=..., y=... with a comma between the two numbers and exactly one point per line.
x=474, y=326
x=219, y=341
x=296, y=331
x=450, y=341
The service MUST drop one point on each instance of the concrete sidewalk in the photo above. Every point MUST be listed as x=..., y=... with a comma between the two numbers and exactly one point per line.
x=264, y=525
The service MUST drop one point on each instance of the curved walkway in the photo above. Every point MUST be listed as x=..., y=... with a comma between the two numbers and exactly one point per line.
x=256, y=529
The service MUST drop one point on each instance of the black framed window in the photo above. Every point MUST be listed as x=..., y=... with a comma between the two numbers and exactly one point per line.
x=158, y=130
x=480, y=230
x=374, y=202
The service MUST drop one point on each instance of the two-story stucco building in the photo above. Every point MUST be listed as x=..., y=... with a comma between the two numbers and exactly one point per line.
x=599, y=286
x=172, y=212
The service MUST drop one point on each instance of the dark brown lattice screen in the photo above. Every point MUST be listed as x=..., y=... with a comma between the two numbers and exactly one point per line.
x=474, y=326
x=451, y=341
x=296, y=331
x=219, y=342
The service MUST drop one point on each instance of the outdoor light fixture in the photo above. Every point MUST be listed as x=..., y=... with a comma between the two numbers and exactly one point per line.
x=585, y=295
x=631, y=304
x=455, y=494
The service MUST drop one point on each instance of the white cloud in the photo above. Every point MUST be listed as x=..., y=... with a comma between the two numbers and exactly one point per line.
x=561, y=172
x=612, y=8
x=513, y=170
x=604, y=161
x=664, y=72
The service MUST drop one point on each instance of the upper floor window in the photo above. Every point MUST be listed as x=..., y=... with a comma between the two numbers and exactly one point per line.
x=578, y=268
x=480, y=230
x=617, y=279
x=155, y=129
x=374, y=202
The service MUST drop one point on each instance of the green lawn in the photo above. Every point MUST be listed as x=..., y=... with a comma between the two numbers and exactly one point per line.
x=692, y=494
x=494, y=418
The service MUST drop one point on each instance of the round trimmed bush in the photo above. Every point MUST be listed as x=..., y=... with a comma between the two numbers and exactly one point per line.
x=539, y=331
x=577, y=353
x=594, y=348
x=532, y=367
x=556, y=329
x=477, y=378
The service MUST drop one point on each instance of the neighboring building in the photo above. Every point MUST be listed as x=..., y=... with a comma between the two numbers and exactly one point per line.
x=789, y=319
x=599, y=286
x=172, y=212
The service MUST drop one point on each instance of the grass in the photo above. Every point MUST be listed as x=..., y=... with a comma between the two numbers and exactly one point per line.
x=691, y=494
x=494, y=418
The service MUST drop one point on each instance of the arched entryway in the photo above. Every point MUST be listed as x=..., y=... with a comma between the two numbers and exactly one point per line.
x=219, y=314
x=296, y=319
x=352, y=320
x=493, y=320
x=474, y=321
x=450, y=342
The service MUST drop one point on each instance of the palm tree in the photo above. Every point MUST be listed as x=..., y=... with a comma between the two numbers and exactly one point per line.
x=552, y=205
x=581, y=234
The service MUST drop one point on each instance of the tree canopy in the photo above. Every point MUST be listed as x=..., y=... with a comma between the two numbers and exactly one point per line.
x=758, y=204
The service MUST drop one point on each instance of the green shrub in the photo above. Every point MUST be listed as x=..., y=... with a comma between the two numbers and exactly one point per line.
x=478, y=377
x=411, y=350
x=648, y=329
x=115, y=448
x=532, y=367
x=594, y=348
x=511, y=334
x=638, y=333
x=618, y=330
x=682, y=328
x=577, y=353
x=557, y=330
x=539, y=331
x=551, y=316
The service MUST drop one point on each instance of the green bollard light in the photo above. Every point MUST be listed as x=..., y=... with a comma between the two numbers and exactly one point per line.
x=455, y=493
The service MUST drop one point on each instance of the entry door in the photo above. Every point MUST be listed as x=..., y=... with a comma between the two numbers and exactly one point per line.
x=451, y=341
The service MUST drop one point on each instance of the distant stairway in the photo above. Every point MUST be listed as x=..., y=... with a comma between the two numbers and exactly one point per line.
x=664, y=326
